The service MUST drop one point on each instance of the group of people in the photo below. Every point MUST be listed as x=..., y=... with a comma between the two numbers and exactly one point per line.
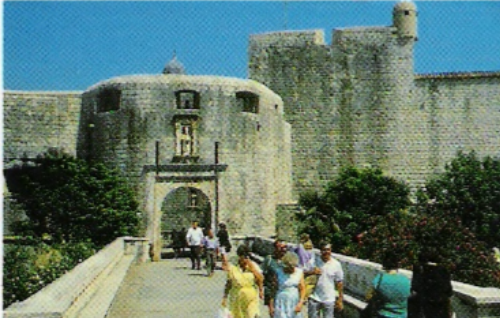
x=291, y=280
x=286, y=281
x=199, y=241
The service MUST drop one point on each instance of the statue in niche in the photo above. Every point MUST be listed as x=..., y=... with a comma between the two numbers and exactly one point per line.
x=186, y=140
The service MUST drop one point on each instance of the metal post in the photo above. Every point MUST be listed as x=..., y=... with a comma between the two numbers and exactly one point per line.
x=157, y=156
x=216, y=208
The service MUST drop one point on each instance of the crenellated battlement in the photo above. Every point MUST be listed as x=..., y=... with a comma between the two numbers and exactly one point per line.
x=288, y=38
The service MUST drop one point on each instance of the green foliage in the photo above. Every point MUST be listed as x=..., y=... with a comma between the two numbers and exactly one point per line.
x=72, y=200
x=467, y=258
x=29, y=268
x=458, y=215
x=469, y=189
x=345, y=209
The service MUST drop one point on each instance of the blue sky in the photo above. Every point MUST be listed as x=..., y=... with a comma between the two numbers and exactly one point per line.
x=73, y=45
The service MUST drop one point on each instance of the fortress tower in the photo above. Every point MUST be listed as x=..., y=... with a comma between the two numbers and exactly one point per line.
x=345, y=101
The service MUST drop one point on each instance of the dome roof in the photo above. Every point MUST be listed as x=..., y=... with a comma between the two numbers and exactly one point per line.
x=174, y=66
x=405, y=5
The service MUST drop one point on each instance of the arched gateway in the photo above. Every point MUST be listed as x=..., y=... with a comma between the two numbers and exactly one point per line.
x=183, y=205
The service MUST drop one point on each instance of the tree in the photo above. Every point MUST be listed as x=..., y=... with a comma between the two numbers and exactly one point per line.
x=72, y=200
x=469, y=190
x=467, y=258
x=346, y=208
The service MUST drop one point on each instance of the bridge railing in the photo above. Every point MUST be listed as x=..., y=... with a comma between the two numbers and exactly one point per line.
x=468, y=301
x=88, y=289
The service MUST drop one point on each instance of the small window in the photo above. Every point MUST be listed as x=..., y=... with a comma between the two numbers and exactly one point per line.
x=248, y=102
x=108, y=100
x=187, y=99
x=407, y=12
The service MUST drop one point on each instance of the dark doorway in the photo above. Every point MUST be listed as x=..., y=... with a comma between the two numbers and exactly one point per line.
x=180, y=207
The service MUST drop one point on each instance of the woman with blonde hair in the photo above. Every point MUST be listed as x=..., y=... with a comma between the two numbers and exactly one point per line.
x=243, y=281
x=289, y=297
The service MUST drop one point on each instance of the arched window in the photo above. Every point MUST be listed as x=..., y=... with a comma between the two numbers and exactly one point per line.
x=108, y=100
x=248, y=102
x=187, y=99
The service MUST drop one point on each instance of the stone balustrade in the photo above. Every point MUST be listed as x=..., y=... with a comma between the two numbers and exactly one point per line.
x=468, y=301
x=88, y=289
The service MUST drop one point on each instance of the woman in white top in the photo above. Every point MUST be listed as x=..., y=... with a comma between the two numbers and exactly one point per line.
x=290, y=294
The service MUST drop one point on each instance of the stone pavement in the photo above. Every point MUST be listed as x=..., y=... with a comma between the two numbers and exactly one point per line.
x=170, y=289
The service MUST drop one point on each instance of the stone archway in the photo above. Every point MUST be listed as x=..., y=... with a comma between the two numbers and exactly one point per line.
x=183, y=205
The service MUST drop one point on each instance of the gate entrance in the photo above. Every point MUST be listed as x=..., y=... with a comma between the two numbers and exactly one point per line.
x=180, y=207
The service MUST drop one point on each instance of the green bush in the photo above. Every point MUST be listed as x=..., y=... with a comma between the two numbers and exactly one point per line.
x=29, y=268
x=469, y=190
x=71, y=200
x=468, y=259
x=349, y=202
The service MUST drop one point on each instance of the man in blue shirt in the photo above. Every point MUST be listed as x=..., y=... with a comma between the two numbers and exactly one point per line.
x=211, y=245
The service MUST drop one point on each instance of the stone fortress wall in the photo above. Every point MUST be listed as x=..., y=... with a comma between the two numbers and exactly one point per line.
x=36, y=121
x=254, y=146
x=358, y=101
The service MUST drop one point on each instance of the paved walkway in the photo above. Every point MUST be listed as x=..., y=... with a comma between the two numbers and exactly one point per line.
x=170, y=289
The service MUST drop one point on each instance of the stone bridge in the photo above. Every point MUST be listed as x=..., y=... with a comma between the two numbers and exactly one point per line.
x=120, y=281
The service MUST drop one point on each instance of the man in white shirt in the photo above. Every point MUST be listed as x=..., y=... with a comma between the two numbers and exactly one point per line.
x=330, y=276
x=194, y=239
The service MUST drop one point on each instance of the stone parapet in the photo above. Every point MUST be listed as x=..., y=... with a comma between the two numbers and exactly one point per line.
x=89, y=288
x=468, y=301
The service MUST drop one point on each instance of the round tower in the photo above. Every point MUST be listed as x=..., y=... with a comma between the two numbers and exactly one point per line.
x=404, y=18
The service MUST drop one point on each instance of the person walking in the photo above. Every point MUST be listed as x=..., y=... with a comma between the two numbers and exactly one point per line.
x=390, y=290
x=225, y=244
x=211, y=245
x=193, y=238
x=431, y=287
x=269, y=267
x=324, y=298
x=307, y=263
x=243, y=286
x=290, y=294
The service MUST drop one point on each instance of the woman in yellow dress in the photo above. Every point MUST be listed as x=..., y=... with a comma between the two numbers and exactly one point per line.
x=243, y=286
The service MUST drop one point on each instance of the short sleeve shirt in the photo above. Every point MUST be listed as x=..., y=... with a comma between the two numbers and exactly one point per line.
x=331, y=273
x=210, y=243
x=194, y=236
x=393, y=291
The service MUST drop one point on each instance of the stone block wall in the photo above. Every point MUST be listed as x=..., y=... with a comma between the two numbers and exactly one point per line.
x=343, y=100
x=286, y=222
x=37, y=121
x=450, y=113
x=255, y=147
x=358, y=102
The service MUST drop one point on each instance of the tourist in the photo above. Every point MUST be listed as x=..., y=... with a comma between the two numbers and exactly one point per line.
x=431, y=285
x=211, y=245
x=307, y=263
x=268, y=267
x=390, y=290
x=243, y=286
x=290, y=294
x=177, y=242
x=328, y=293
x=182, y=241
x=193, y=238
x=225, y=244
x=301, y=251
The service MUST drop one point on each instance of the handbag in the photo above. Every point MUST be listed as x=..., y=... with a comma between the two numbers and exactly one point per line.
x=224, y=313
x=371, y=308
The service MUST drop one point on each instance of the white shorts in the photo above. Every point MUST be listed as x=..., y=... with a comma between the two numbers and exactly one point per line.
x=222, y=250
